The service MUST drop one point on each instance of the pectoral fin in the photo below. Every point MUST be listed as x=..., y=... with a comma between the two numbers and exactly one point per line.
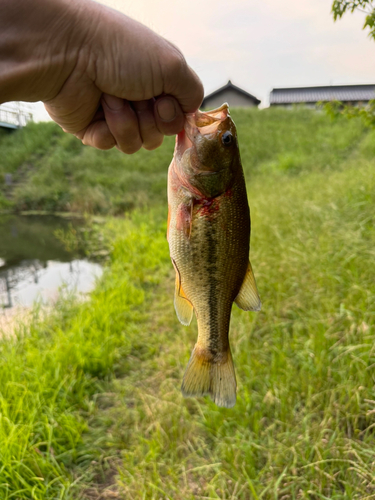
x=182, y=304
x=248, y=297
x=168, y=221
x=184, y=217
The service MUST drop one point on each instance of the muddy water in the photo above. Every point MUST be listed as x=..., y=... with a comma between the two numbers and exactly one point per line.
x=35, y=265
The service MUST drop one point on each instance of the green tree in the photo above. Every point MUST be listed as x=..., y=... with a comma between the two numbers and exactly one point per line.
x=339, y=8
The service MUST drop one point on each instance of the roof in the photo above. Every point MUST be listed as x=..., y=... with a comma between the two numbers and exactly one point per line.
x=326, y=93
x=230, y=85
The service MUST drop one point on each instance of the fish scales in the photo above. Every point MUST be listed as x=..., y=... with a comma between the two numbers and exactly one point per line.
x=208, y=234
x=212, y=262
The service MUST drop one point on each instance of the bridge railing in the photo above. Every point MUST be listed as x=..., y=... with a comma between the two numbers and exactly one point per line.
x=15, y=118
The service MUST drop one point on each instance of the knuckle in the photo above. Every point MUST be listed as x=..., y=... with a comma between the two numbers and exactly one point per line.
x=129, y=148
x=99, y=141
x=153, y=145
x=103, y=140
x=171, y=60
x=127, y=136
x=177, y=61
x=105, y=145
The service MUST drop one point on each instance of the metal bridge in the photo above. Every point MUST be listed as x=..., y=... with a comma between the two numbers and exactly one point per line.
x=14, y=118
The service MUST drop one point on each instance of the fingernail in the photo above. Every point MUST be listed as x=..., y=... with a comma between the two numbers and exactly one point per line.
x=114, y=103
x=166, y=109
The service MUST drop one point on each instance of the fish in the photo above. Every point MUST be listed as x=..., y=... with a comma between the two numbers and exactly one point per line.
x=209, y=240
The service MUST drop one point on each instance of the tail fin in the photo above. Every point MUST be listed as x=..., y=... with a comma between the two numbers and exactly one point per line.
x=205, y=375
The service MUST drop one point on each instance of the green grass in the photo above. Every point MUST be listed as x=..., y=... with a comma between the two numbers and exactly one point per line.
x=90, y=405
x=303, y=423
x=53, y=372
x=53, y=171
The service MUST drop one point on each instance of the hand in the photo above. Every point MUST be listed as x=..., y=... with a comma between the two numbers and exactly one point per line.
x=102, y=76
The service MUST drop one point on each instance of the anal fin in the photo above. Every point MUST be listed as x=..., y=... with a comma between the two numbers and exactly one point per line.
x=248, y=297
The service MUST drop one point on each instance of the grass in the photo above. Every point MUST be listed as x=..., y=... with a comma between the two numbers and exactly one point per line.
x=53, y=373
x=303, y=423
x=53, y=172
x=90, y=405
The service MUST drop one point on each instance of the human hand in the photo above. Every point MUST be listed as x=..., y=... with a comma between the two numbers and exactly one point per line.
x=105, y=77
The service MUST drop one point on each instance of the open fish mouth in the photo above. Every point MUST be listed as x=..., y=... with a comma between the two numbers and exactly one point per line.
x=204, y=123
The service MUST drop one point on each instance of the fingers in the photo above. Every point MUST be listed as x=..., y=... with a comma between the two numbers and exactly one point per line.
x=122, y=123
x=97, y=135
x=157, y=119
x=152, y=136
x=132, y=126
x=168, y=115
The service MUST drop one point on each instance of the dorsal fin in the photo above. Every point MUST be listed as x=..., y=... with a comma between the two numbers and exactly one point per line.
x=248, y=297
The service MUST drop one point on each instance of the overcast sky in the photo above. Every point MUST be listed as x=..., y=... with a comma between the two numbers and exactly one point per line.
x=260, y=44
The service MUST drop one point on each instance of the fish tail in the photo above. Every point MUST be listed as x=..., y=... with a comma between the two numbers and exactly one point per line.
x=206, y=374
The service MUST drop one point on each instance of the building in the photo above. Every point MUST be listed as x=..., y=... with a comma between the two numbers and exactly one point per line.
x=14, y=115
x=310, y=96
x=231, y=94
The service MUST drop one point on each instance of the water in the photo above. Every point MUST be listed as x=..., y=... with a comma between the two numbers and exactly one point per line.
x=34, y=264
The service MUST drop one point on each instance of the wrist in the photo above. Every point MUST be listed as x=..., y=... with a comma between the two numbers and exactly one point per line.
x=39, y=46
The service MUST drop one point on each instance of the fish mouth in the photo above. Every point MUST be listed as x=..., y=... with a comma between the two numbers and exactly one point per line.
x=200, y=123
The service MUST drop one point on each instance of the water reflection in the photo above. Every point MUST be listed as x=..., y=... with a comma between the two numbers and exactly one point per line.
x=34, y=264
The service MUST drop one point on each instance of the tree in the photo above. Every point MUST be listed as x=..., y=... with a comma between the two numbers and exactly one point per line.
x=340, y=7
x=335, y=108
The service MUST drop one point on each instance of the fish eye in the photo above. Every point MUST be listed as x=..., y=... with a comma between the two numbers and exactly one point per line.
x=227, y=138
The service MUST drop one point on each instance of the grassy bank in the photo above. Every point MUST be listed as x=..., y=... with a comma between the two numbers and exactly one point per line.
x=52, y=171
x=54, y=373
x=303, y=423
x=90, y=405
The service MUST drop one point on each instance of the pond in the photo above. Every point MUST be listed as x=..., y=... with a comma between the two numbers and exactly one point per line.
x=34, y=264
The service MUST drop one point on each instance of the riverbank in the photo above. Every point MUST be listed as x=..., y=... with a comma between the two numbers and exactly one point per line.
x=90, y=405
x=90, y=399
x=43, y=169
x=50, y=373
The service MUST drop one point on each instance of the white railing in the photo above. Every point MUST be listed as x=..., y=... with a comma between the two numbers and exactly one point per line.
x=15, y=118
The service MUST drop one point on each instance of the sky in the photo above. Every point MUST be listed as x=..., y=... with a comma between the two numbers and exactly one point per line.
x=259, y=44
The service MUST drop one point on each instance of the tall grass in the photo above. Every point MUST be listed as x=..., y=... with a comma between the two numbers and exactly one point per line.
x=90, y=405
x=303, y=423
x=53, y=371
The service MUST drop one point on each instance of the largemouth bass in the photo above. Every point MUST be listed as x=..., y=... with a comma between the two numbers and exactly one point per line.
x=209, y=241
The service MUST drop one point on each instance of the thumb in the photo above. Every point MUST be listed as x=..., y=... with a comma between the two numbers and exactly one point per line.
x=169, y=117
